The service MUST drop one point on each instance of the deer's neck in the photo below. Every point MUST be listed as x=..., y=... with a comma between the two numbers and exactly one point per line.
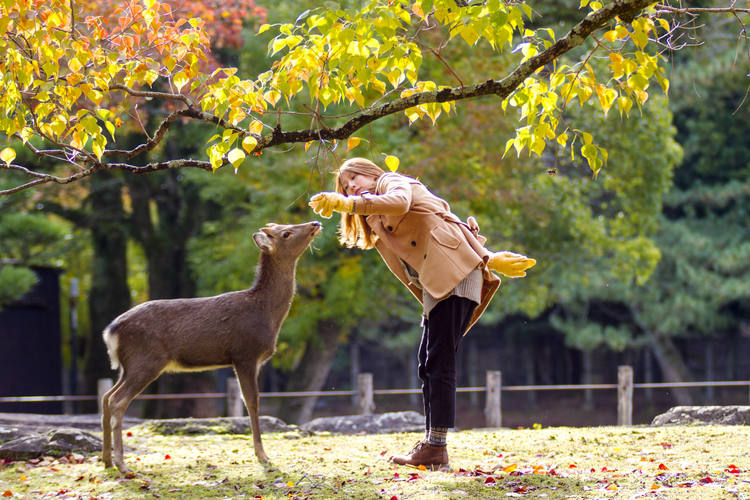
x=274, y=282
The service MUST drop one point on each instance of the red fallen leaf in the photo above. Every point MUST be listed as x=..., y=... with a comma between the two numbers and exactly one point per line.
x=655, y=486
x=489, y=480
x=572, y=466
x=7, y=493
x=130, y=475
x=54, y=469
x=688, y=484
x=666, y=445
x=167, y=457
x=145, y=487
x=80, y=478
x=732, y=469
x=663, y=467
x=368, y=472
x=499, y=455
x=593, y=470
x=62, y=492
x=604, y=469
x=520, y=489
x=394, y=497
x=129, y=434
x=553, y=472
x=707, y=480
x=395, y=475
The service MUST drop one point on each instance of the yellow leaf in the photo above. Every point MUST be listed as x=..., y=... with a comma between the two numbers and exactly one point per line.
x=180, y=79
x=8, y=155
x=263, y=29
x=308, y=144
x=392, y=162
x=248, y=143
x=256, y=127
x=352, y=143
x=74, y=65
x=236, y=157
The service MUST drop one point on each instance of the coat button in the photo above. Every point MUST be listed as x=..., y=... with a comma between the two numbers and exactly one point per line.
x=413, y=243
x=390, y=228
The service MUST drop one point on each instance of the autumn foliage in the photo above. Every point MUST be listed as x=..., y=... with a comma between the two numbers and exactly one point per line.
x=72, y=77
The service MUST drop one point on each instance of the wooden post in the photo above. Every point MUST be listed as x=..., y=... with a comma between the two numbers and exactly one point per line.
x=493, y=407
x=102, y=386
x=624, y=395
x=365, y=393
x=235, y=403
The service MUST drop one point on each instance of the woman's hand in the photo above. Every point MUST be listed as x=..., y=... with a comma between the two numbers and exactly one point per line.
x=324, y=204
x=510, y=264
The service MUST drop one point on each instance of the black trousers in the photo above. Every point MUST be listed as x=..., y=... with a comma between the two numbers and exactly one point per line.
x=441, y=334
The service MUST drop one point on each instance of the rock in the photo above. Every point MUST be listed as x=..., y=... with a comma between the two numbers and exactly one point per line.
x=404, y=421
x=73, y=440
x=43, y=423
x=11, y=433
x=704, y=415
x=56, y=443
x=223, y=425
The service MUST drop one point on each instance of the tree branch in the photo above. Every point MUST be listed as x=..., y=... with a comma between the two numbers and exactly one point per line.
x=625, y=9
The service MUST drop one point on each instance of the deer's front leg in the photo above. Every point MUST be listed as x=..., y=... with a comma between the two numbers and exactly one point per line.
x=248, y=378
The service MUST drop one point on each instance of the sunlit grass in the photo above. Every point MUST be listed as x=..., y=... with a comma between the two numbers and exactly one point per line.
x=602, y=462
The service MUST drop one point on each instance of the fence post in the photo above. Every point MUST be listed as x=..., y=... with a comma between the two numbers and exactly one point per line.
x=493, y=406
x=624, y=395
x=365, y=393
x=102, y=386
x=235, y=404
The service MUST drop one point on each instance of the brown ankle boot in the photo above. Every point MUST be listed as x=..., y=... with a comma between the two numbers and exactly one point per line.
x=434, y=457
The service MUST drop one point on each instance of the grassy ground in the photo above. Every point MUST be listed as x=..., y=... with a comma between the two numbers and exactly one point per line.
x=708, y=462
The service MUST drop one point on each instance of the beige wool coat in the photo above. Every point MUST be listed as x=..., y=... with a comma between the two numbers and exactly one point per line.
x=416, y=226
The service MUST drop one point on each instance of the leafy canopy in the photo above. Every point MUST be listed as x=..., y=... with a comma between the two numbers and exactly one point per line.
x=72, y=77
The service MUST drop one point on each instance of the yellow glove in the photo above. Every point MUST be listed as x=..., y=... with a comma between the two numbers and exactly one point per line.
x=510, y=264
x=324, y=204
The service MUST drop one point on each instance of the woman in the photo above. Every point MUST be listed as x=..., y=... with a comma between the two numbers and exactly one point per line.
x=439, y=258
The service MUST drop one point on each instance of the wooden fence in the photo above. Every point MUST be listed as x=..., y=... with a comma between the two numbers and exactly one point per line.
x=365, y=394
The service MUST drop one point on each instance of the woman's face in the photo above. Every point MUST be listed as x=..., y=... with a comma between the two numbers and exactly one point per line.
x=355, y=184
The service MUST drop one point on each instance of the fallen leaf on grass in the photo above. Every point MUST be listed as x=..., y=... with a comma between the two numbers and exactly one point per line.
x=663, y=467
x=732, y=469
x=510, y=468
x=707, y=480
x=7, y=493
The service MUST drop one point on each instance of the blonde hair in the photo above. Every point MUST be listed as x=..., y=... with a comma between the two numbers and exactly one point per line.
x=354, y=231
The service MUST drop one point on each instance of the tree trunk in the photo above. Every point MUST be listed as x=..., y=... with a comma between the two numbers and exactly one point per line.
x=109, y=295
x=164, y=235
x=311, y=373
x=672, y=367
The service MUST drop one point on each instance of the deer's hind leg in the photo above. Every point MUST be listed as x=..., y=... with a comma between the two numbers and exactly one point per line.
x=107, y=423
x=247, y=374
x=130, y=384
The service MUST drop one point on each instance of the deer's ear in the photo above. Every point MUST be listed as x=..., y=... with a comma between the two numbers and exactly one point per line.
x=264, y=242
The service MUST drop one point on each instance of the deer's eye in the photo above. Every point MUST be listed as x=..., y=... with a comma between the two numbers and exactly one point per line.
x=287, y=234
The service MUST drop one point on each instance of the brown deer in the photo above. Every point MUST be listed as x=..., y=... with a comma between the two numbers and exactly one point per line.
x=236, y=329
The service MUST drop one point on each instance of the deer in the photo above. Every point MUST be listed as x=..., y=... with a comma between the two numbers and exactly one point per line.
x=237, y=329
